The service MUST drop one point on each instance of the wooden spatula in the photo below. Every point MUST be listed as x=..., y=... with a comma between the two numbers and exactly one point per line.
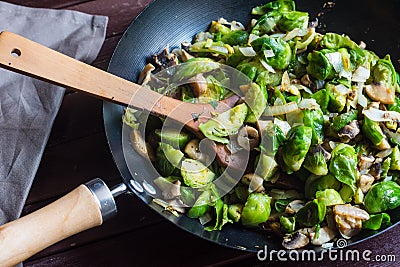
x=24, y=56
x=32, y=59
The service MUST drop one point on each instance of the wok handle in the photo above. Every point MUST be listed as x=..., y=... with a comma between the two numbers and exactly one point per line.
x=85, y=207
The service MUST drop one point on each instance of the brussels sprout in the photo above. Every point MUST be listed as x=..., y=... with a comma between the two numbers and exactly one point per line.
x=340, y=121
x=281, y=49
x=311, y=214
x=292, y=20
x=382, y=196
x=315, y=161
x=384, y=72
x=337, y=99
x=372, y=131
x=249, y=69
x=317, y=183
x=187, y=196
x=173, y=137
x=235, y=212
x=319, y=66
x=330, y=196
x=336, y=41
x=215, y=90
x=315, y=120
x=346, y=193
x=376, y=221
x=266, y=23
x=343, y=165
x=238, y=37
x=168, y=158
x=296, y=147
x=224, y=124
x=265, y=78
x=195, y=66
x=201, y=206
x=256, y=102
x=256, y=210
x=279, y=5
x=266, y=167
x=395, y=156
x=272, y=139
x=322, y=98
x=288, y=224
x=221, y=216
x=217, y=27
x=209, y=46
x=195, y=174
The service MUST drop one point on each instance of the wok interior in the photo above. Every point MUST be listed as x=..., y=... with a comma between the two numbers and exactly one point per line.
x=173, y=22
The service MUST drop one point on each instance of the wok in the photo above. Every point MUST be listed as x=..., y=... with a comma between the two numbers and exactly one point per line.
x=172, y=22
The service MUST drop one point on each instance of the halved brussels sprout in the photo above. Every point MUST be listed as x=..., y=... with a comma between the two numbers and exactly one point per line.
x=195, y=174
x=295, y=150
x=382, y=196
x=256, y=210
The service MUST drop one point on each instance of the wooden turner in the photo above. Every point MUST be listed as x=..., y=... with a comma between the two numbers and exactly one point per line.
x=24, y=56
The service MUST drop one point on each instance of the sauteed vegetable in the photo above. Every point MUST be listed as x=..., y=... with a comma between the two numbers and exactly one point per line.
x=327, y=164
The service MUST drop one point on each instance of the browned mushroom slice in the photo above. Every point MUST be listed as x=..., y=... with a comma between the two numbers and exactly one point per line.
x=349, y=131
x=294, y=206
x=305, y=80
x=380, y=92
x=145, y=75
x=365, y=162
x=198, y=84
x=186, y=56
x=248, y=137
x=325, y=235
x=143, y=148
x=295, y=240
x=165, y=59
x=349, y=219
x=365, y=182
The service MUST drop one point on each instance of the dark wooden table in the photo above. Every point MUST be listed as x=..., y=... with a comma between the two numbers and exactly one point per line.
x=77, y=152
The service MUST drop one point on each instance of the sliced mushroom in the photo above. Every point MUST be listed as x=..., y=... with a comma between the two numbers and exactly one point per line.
x=198, y=84
x=379, y=92
x=248, y=137
x=325, y=235
x=376, y=170
x=349, y=219
x=186, y=56
x=384, y=153
x=141, y=146
x=173, y=191
x=165, y=59
x=294, y=206
x=305, y=80
x=365, y=182
x=365, y=162
x=145, y=75
x=192, y=149
x=295, y=240
x=254, y=182
x=349, y=131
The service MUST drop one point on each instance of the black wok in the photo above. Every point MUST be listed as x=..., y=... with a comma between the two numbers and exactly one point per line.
x=170, y=22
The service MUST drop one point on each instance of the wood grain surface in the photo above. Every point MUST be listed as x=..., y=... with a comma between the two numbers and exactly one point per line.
x=77, y=152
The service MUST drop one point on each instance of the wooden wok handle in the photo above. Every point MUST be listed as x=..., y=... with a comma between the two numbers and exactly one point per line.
x=75, y=212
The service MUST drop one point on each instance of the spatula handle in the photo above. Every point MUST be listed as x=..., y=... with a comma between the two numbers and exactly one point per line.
x=81, y=209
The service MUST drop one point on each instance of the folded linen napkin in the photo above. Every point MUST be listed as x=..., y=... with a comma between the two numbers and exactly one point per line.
x=28, y=106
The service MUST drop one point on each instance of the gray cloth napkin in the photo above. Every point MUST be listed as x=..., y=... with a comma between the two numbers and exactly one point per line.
x=28, y=106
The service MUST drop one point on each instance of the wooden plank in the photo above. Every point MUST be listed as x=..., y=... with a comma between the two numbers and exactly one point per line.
x=120, y=12
x=79, y=116
x=48, y=3
x=65, y=166
x=132, y=214
x=106, y=52
x=161, y=244
x=166, y=245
